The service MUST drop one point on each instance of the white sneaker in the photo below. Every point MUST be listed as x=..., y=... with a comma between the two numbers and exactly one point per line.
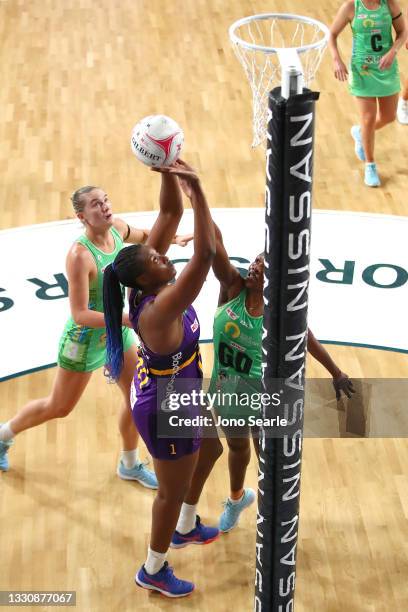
x=402, y=111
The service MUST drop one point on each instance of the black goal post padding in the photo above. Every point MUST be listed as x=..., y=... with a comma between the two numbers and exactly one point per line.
x=289, y=165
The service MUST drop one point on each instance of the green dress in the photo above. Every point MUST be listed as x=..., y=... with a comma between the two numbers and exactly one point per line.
x=82, y=348
x=372, y=39
x=237, y=359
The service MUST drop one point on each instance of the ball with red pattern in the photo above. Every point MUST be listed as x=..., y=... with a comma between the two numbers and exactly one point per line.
x=157, y=140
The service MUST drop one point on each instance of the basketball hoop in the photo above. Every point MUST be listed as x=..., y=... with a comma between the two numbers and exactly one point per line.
x=269, y=47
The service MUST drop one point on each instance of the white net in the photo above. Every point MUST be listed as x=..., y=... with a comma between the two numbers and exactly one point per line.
x=259, y=42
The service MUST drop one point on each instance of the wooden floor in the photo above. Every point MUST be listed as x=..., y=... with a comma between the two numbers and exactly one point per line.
x=76, y=75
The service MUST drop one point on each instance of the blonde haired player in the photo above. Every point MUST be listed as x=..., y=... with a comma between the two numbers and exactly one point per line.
x=83, y=346
x=374, y=77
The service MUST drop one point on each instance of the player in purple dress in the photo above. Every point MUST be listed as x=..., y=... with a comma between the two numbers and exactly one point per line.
x=167, y=325
x=183, y=363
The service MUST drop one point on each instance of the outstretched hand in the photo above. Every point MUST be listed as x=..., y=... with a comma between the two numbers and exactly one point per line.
x=183, y=239
x=188, y=177
x=342, y=383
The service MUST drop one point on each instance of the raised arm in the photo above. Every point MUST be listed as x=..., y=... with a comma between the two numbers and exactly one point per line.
x=344, y=16
x=230, y=279
x=135, y=235
x=171, y=210
x=341, y=382
x=130, y=235
x=174, y=299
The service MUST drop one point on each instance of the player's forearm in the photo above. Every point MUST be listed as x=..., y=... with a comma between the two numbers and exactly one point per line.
x=145, y=235
x=146, y=232
x=93, y=318
x=332, y=44
x=400, y=40
x=89, y=318
x=204, y=235
x=218, y=234
x=171, y=201
x=318, y=351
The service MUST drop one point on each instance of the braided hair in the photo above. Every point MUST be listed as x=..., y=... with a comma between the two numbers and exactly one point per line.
x=129, y=263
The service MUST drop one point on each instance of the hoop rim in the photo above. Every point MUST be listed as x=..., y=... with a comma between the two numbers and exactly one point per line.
x=284, y=16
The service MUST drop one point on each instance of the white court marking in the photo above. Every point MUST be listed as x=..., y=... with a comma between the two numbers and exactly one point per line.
x=364, y=304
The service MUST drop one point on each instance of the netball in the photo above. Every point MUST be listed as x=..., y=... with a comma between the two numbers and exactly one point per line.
x=157, y=140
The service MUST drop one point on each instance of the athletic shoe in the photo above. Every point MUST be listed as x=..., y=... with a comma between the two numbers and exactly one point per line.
x=164, y=581
x=199, y=535
x=402, y=111
x=139, y=472
x=358, y=145
x=371, y=177
x=4, y=462
x=230, y=517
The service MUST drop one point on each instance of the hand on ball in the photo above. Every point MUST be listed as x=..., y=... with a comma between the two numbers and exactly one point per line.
x=188, y=177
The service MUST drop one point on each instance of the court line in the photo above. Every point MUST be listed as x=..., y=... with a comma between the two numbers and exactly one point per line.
x=208, y=341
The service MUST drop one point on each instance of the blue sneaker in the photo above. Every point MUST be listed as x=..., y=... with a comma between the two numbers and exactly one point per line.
x=230, y=517
x=139, y=472
x=164, y=581
x=4, y=463
x=371, y=177
x=358, y=145
x=199, y=535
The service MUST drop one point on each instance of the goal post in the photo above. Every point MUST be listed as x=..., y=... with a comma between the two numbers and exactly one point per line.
x=289, y=173
x=280, y=54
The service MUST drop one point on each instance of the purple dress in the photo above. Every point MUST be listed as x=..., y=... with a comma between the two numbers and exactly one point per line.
x=164, y=424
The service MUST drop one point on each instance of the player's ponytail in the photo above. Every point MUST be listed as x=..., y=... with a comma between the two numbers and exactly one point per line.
x=127, y=266
x=113, y=309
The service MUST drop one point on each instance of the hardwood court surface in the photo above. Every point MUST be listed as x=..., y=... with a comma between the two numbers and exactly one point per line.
x=76, y=75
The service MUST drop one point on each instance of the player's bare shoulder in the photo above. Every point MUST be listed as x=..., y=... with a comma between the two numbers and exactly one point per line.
x=120, y=226
x=80, y=260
